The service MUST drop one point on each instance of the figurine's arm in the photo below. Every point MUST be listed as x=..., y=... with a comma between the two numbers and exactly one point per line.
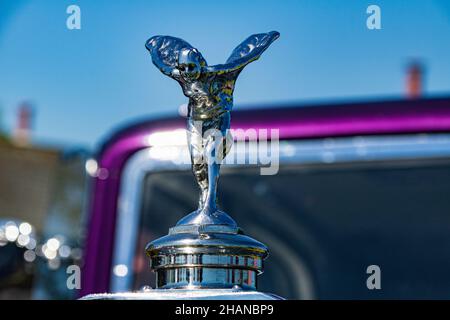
x=164, y=68
x=229, y=67
x=247, y=52
x=164, y=52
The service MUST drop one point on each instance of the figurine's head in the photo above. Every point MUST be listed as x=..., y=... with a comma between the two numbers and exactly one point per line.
x=190, y=63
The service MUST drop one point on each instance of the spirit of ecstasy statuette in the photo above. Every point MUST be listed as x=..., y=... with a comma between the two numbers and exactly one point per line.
x=206, y=249
x=210, y=92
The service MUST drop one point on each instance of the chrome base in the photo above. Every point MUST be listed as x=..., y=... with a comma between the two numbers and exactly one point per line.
x=212, y=256
x=206, y=278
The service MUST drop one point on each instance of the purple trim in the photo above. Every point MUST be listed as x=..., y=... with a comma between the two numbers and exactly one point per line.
x=103, y=206
x=393, y=117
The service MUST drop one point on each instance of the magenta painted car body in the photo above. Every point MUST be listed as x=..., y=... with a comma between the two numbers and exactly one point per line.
x=296, y=122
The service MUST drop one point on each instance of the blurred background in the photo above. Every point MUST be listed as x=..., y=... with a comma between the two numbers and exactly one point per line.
x=64, y=92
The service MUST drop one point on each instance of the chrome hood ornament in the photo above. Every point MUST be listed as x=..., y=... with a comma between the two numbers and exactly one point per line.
x=206, y=249
x=210, y=92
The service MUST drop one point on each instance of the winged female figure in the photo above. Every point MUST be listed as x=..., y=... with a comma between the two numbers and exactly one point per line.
x=210, y=92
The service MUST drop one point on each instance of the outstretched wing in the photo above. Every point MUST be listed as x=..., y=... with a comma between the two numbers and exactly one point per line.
x=248, y=51
x=164, y=51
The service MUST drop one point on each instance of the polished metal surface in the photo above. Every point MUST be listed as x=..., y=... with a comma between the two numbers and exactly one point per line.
x=206, y=249
x=185, y=294
x=210, y=92
x=206, y=260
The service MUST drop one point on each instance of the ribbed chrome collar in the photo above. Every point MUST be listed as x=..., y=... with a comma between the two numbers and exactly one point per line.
x=206, y=256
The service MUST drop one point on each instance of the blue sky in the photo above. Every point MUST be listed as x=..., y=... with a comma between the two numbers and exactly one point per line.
x=84, y=83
